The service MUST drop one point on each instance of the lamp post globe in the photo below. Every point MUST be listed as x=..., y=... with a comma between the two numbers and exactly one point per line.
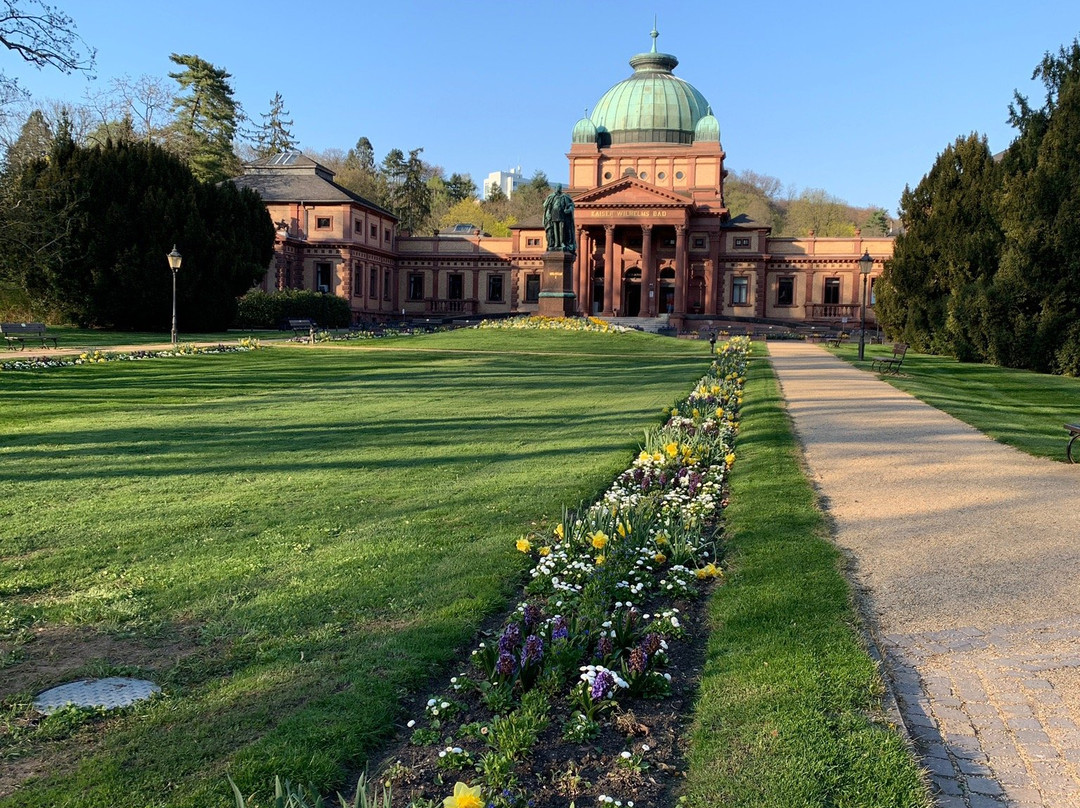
x=174, y=258
x=866, y=264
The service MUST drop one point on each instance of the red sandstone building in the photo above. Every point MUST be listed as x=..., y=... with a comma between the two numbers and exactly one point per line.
x=655, y=238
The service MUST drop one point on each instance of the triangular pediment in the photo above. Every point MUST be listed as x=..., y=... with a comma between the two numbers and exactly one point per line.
x=631, y=192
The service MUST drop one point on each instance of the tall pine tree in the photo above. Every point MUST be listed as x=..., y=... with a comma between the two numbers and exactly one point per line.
x=206, y=118
x=274, y=136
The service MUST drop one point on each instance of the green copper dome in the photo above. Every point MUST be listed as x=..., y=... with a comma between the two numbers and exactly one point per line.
x=652, y=106
x=584, y=131
x=707, y=129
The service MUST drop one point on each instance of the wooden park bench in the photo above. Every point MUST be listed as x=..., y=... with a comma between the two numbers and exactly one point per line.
x=834, y=340
x=17, y=334
x=891, y=364
x=1074, y=433
x=301, y=326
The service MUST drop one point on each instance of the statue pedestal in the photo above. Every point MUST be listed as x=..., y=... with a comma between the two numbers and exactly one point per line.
x=557, y=298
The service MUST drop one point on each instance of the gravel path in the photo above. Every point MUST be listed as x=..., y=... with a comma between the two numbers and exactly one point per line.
x=968, y=556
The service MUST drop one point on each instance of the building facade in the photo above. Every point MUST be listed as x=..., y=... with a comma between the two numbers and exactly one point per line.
x=654, y=235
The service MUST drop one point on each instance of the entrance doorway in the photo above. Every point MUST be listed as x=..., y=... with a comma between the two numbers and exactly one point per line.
x=632, y=293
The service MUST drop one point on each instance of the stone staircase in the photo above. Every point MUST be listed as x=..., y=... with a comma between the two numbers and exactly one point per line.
x=651, y=324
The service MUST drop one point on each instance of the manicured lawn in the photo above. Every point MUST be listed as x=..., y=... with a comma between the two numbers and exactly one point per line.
x=289, y=541
x=1016, y=407
x=71, y=337
x=788, y=713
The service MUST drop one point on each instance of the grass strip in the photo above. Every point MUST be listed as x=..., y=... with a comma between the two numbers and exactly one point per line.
x=789, y=708
x=1019, y=408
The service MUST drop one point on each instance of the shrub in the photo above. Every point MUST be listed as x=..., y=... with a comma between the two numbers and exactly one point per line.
x=258, y=309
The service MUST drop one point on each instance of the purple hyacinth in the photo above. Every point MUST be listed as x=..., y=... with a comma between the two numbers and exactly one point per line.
x=639, y=660
x=531, y=615
x=560, y=628
x=651, y=643
x=604, y=647
x=505, y=666
x=510, y=639
x=534, y=650
x=602, y=685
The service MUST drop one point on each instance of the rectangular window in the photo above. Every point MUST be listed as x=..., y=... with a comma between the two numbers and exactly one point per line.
x=358, y=280
x=495, y=288
x=785, y=292
x=386, y=285
x=416, y=286
x=699, y=243
x=323, y=277
x=532, y=288
x=386, y=234
x=832, y=291
x=357, y=226
x=322, y=222
x=740, y=291
x=374, y=231
x=373, y=283
x=873, y=293
x=532, y=242
x=742, y=242
x=455, y=287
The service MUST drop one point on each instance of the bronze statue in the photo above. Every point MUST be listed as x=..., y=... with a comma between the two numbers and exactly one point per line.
x=559, y=221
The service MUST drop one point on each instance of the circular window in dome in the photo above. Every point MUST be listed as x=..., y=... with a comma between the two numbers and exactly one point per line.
x=643, y=175
x=678, y=175
x=607, y=175
x=661, y=176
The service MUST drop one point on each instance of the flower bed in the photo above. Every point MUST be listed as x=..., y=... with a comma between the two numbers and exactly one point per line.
x=579, y=697
x=100, y=357
x=538, y=323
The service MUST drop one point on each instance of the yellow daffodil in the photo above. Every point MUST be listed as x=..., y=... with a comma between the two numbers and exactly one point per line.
x=730, y=460
x=559, y=534
x=464, y=797
x=657, y=457
x=599, y=560
x=599, y=540
x=544, y=551
x=659, y=558
x=644, y=456
x=661, y=538
x=672, y=449
x=708, y=571
x=695, y=412
x=623, y=529
x=524, y=545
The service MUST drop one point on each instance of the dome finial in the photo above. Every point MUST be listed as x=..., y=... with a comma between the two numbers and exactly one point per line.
x=654, y=34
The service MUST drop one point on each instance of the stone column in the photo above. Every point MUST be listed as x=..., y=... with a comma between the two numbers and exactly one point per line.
x=680, y=270
x=648, y=274
x=581, y=282
x=609, y=269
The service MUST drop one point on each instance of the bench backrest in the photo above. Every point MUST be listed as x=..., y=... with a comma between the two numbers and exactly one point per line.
x=300, y=323
x=22, y=328
x=899, y=349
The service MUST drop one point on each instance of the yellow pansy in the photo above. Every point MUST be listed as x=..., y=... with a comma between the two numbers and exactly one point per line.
x=464, y=797
x=524, y=545
x=599, y=540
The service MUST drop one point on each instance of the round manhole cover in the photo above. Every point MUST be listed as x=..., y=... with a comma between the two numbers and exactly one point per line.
x=116, y=691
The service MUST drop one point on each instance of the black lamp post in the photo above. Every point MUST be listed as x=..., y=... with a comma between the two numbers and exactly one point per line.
x=174, y=264
x=866, y=263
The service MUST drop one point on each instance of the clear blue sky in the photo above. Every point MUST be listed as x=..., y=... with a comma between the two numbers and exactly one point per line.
x=856, y=98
